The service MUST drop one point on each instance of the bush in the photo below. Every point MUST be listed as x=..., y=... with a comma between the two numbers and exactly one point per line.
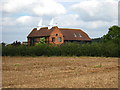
x=107, y=49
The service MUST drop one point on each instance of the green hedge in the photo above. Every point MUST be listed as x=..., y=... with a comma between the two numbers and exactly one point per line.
x=108, y=49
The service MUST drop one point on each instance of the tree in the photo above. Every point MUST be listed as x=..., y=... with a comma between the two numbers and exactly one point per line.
x=16, y=43
x=3, y=44
x=113, y=34
x=41, y=42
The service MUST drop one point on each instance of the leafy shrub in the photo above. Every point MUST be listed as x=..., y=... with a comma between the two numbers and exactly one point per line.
x=106, y=49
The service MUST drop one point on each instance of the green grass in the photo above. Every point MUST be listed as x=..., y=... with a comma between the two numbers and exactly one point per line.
x=98, y=66
x=17, y=64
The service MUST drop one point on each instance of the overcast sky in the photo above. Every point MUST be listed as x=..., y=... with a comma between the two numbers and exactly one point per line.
x=19, y=17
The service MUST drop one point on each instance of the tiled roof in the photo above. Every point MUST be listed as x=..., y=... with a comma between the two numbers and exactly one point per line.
x=69, y=34
x=74, y=34
x=42, y=32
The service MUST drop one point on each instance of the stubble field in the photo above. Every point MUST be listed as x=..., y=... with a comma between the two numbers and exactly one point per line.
x=59, y=72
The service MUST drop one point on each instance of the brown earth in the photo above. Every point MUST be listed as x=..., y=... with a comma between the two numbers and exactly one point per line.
x=60, y=72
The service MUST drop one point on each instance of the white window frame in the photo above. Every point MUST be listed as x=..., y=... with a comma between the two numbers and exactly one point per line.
x=75, y=35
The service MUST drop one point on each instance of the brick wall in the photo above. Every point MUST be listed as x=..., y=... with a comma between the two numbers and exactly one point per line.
x=56, y=34
x=28, y=41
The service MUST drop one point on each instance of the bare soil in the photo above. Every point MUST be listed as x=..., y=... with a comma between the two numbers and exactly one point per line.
x=60, y=72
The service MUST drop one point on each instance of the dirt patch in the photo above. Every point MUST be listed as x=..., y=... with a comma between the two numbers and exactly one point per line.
x=59, y=72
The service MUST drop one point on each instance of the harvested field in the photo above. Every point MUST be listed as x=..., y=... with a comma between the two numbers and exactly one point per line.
x=60, y=72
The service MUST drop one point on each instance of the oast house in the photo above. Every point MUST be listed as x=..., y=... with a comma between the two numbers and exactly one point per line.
x=57, y=35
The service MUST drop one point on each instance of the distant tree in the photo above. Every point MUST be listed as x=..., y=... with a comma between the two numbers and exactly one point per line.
x=3, y=44
x=16, y=43
x=97, y=39
x=113, y=34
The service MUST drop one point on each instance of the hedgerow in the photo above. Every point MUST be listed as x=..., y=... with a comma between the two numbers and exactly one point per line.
x=103, y=49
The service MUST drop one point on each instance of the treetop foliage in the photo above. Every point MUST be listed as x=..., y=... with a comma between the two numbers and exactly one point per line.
x=113, y=33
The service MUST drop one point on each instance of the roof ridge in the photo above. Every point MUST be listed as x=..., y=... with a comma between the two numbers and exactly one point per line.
x=70, y=29
x=73, y=29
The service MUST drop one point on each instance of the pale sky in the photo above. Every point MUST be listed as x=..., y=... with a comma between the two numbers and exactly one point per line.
x=19, y=17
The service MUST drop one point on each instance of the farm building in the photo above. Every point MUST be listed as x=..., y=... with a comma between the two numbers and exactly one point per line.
x=57, y=35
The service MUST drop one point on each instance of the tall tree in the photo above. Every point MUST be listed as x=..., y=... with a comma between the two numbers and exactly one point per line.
x=113, y=34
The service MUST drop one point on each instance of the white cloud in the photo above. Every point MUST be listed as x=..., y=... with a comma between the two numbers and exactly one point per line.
x=37, y=7
x=68, y=20
x=16, y=5
x=8, y=21
x=97, y=24
x=24, y=19
x=47, y=7
x=28, y=21
x=72, y=20
x=12, y=21
x=69, y=0
x=97, y=10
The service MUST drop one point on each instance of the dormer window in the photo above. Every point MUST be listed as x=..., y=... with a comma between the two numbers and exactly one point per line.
x=80, y=35
x=75, y=35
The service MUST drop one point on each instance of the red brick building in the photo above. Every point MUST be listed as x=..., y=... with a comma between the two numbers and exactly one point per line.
x=57, y=35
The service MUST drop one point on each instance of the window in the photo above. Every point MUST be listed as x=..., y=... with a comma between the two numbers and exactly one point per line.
x=56, y=34
x=53, y=39
x=59, y=39
x=32, y=40
x=75, y=35
x=80, y=35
